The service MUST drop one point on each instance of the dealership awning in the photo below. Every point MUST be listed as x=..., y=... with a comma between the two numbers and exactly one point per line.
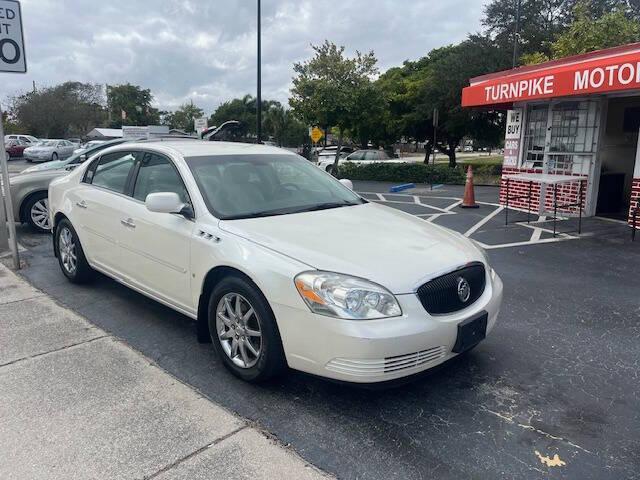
x=613, y=70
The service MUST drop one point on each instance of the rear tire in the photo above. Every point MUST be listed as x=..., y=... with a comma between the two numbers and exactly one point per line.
x=36, y=212
x=71, y=257
x=245, y=337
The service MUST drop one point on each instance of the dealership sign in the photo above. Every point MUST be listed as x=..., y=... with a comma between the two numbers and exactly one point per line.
x=602, y=74
x=12, y=55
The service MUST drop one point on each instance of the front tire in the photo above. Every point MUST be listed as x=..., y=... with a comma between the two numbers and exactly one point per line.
x=37, y=213
x=243, y=330
x=71, y=257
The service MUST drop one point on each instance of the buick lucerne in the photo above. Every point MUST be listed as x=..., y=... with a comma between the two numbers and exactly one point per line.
x=280, y=264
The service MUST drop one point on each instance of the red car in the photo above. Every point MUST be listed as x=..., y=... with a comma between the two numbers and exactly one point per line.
x=14, y=148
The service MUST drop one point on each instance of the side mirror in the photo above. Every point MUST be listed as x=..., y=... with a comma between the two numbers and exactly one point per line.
x=347, y=183
x=167, y=202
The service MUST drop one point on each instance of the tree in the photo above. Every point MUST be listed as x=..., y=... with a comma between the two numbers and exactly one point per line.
x=131, y=105
x=436, y=81
x=281, y=125
x=244, y=111
x=587, y=33
x=326, y=88
x=543, y=21
x=72, y=108
x=183, y=117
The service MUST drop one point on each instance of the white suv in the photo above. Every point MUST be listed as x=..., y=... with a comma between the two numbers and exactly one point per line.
x=279, y=263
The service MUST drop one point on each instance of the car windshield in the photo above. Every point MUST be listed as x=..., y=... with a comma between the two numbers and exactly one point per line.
x=249, y=186
x=48, y=143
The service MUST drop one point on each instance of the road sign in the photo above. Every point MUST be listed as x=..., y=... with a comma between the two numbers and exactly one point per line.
x=12, y=54
x=12, y=59
x=316, y=134
x=200, y=124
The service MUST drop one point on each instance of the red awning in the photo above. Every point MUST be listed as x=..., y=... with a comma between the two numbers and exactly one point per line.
x=612, y=70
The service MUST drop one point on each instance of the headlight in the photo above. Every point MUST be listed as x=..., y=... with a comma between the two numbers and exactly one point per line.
x=343, y=296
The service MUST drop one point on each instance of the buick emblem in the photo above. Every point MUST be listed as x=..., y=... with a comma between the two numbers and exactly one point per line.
x=464, y=289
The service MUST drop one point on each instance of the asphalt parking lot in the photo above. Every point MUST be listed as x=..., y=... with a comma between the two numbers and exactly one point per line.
x=558, y=376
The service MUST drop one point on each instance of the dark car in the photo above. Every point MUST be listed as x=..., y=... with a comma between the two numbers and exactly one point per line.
x=15, y=148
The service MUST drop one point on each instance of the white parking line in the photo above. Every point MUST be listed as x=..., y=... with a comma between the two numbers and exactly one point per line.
x=475, y=228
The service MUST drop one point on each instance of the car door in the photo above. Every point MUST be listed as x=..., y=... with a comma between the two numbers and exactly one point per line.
x=156, y=247
x=99, y=204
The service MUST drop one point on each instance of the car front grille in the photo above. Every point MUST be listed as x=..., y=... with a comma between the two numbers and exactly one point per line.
x=381, y=366
x=440, y=295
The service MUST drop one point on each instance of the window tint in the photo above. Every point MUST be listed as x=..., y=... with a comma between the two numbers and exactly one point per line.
x=356, y=156
x=157, y=174
x=371, y=155
x=112, y=171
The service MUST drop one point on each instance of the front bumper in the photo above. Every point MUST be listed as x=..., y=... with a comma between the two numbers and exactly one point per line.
x=373, y=351
x=37, y=157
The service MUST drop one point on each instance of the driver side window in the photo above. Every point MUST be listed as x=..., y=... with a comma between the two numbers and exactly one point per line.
x=157, y=174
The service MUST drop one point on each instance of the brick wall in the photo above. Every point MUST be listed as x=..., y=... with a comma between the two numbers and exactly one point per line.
x=635, y=202
x=566, y=192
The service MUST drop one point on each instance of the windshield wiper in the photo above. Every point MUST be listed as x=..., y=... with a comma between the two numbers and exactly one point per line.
x=325, y=206
x=290, y=210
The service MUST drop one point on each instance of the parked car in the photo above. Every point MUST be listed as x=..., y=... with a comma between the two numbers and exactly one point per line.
x=14, y=148
x=29, y=140
x=77, y=158
x=327, y=154
x=47, y=150
x=88, y=145
x=359, y=156
x=279, y=264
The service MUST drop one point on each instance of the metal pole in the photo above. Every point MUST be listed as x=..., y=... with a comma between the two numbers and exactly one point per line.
x=516, y=33
x=259, y=97
x=5, y=201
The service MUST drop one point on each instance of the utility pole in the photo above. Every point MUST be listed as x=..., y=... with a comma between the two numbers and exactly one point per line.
x=516, y=33
x=259, y=96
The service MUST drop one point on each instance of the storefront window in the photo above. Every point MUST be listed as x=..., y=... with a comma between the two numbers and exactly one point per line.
x=572, y=128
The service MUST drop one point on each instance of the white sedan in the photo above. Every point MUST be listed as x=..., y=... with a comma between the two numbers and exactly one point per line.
x=360, y=157
x=49, y=150
x=279, y=263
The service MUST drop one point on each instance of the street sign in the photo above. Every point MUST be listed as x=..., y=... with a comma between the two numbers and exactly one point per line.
x=12, y=59
x=316, y=134
x=200, y=124
x=12, y=54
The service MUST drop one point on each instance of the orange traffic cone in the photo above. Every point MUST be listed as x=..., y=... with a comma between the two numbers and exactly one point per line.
x=469, y=200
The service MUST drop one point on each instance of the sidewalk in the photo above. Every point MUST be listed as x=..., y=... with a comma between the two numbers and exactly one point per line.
x=76, y=402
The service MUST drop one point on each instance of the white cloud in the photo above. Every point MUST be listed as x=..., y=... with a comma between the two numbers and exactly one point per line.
x=206, y=50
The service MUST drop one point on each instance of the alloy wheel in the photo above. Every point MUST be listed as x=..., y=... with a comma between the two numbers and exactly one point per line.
x=67, y=250
x=239, y=331
x=40, y=214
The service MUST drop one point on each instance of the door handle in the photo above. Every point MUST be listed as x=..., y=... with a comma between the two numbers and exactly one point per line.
x=128, y=223
x=82, y=204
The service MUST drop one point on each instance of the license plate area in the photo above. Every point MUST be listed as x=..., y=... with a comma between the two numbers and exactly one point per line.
x=471, y=332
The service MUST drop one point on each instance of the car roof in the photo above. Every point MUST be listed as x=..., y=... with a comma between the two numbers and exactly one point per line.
x=201, y=148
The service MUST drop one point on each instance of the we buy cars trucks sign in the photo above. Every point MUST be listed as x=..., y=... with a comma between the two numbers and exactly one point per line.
x=12, y=54
x=612, y=72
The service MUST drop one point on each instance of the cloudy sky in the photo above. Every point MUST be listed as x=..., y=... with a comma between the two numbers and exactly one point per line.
x=204, y=50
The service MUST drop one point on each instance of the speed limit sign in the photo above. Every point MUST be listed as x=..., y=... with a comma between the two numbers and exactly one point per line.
x=12, y=55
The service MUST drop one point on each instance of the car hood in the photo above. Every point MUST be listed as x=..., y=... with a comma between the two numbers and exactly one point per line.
x=47, y=166
x=394, y=249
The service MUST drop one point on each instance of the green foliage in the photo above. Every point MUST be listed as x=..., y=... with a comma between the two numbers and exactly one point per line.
x=280, y=124
x=587, y=33
x=436, y=81
x=135, y=102
x=71, y=108
x=183, y=117
x=332, y=90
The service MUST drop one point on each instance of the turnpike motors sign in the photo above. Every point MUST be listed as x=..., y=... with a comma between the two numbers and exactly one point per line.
x=611, y=73
x=12, y=54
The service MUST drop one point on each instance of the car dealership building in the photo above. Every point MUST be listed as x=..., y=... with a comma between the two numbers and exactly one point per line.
x=577, y=117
